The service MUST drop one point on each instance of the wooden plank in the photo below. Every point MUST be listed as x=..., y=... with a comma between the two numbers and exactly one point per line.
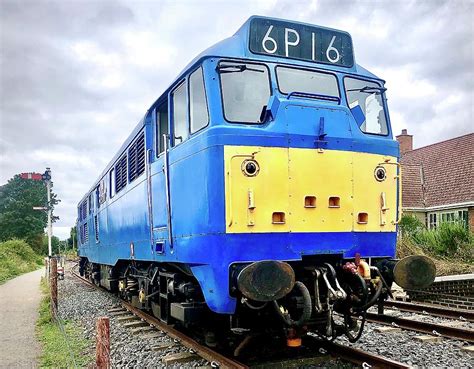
x=428, y=338
x=180, y=357
x=126, y=318
x=135, y=324
x=163, y=346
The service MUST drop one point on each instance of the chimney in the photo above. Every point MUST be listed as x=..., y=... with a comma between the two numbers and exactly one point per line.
x=406, y=142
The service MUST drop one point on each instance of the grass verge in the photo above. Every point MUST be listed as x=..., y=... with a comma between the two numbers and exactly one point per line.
x=60, y=348
x=17, y=257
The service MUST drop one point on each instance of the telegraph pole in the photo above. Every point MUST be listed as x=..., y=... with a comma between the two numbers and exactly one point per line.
x=73, y=248
x=47, y=179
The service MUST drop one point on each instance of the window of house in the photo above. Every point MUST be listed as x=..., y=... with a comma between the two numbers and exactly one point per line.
x=161, y=126
x=463, y=217
x=180, y=116
x=198, y=114
x=448, y=217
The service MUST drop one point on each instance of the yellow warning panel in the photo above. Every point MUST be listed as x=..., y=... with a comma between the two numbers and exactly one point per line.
x=271, y=189
x=256, y=203
x=327, y=176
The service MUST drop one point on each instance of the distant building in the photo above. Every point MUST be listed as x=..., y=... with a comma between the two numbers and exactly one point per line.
x=438, y=180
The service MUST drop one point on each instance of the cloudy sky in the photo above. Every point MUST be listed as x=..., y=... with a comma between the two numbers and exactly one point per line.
x=76, y=76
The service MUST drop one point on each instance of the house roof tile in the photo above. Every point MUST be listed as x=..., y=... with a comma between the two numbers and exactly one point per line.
x=439, y=174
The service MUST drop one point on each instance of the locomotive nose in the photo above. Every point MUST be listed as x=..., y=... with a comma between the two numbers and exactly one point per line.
x=266, y=280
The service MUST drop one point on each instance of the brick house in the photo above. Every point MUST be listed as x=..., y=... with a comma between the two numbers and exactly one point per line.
x=438, y=180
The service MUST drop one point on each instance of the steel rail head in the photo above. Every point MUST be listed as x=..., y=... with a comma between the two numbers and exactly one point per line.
x=423, y=327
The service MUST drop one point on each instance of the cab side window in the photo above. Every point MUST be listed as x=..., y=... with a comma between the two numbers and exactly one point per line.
x=198, y=114
x=180, y=114
x=161, y=126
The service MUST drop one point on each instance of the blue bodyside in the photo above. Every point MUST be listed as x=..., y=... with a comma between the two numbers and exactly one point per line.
x=196, y=170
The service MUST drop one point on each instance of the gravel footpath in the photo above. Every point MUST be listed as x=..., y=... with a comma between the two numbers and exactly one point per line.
x=83, y=305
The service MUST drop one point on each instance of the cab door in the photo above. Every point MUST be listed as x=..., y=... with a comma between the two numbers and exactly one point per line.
x=159, y=188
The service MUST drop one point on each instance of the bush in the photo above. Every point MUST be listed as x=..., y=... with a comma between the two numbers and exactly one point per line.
x=17, y=257
x=410, y=224
x=448, y=239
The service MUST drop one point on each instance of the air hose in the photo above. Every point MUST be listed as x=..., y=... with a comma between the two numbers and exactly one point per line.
x=374, y=298
x=307, y=308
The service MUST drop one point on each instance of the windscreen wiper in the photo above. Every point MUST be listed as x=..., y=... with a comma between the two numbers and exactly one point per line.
x=370, y=90
x=235, y=68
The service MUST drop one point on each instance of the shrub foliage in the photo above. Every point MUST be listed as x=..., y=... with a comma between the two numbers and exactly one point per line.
x=447, y=240
x=17, y=257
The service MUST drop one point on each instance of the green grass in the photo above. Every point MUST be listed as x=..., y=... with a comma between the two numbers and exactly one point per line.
x=60, y=349
x=17, y=257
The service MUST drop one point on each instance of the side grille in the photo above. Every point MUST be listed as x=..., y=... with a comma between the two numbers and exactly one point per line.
x=121, y=173
x=136, y=158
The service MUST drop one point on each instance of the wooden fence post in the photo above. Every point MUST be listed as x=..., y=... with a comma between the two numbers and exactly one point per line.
x=53, y=284
x=102, y=348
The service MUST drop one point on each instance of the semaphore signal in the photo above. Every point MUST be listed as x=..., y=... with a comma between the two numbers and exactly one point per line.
x=45, y=177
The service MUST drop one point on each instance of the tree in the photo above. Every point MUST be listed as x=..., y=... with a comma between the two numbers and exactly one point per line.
x=55, y=243
x=72, y=240
x=17, y=217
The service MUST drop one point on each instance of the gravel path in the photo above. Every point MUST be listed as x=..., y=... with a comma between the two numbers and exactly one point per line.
x=19, y=302
x=84, y=305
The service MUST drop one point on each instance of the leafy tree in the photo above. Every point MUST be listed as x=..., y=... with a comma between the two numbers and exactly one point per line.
x=55, y=243
x=72, y=240
x=17, y=217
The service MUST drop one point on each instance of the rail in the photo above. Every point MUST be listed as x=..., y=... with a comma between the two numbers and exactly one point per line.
x=423, y=327
x=360, y=357
x=432, y=310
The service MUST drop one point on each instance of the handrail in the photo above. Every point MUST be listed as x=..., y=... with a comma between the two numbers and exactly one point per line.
x=149, y=194
x=167, y=188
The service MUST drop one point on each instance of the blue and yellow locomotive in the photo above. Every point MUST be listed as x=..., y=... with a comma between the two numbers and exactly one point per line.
x=263, y=182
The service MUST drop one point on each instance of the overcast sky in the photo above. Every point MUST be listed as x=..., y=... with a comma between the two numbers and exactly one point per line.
x=77, y=76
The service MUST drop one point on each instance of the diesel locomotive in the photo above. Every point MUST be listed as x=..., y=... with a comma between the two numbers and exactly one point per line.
x=260, y=193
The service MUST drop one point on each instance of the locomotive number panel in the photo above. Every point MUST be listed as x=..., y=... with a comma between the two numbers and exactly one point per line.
x=298, y=41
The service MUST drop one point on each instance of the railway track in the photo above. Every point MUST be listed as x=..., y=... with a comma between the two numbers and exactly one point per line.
x=438, y=311
x=350, y=354
x=203, y=351
x=423, y=327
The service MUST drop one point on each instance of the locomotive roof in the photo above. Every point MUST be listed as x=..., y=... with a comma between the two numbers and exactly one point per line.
x=235, y=47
